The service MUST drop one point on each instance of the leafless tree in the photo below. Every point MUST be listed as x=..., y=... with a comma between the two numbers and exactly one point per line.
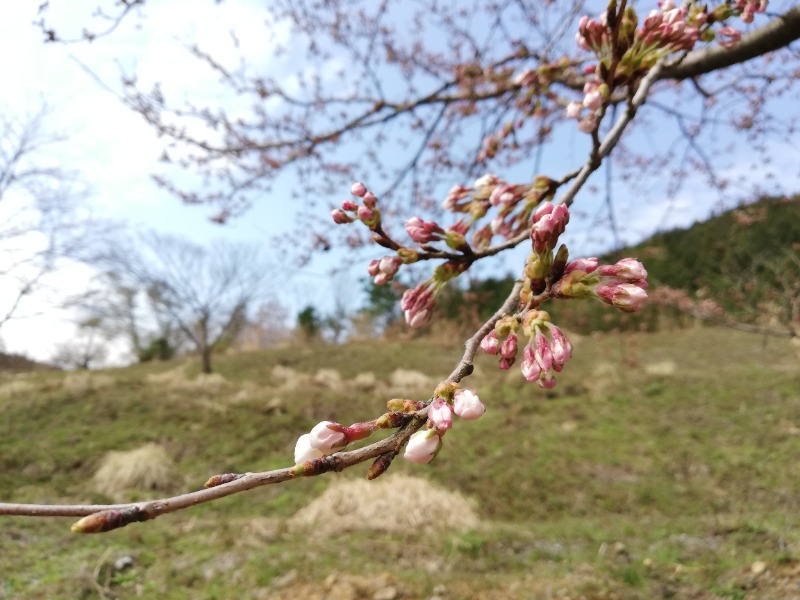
x=205, y=292
x=42, y=219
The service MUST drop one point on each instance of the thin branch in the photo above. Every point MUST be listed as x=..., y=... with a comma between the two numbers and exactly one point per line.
x=123, y=514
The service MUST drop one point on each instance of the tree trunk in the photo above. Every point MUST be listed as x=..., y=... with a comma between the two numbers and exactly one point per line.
x=205, y=356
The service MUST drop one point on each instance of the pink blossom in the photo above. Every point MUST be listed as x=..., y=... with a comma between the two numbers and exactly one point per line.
x=358, y=189
x=303, y=450
x=467, y=405
x=490, y=343
x=423, y=447
x=440, y=414
x=349, y=205
x=327, y=437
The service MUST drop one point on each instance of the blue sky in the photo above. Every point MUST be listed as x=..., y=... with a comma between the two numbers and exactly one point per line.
x=115, y=152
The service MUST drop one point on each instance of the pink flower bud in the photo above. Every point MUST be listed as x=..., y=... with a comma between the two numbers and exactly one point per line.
x=327, y=437
x=358, y=189
x=508, y=349
x=490, y=344
x=417, y=305
x=587, y=265
x=541, y=351
x=593, y=100
x=423, y=232
x=370, y=200
x=340, y=217
x=588, y=123
x=373, y=268
x=529, y=367
x=506, y=363
x=486, y=181
x=303, y=450
x=467, y=405
x=423, y=447
x=546, y=381
x=574, y=110
x=349, y=205
x=625, y=296
x=549, y=222
x=561, y=348
x=627, y=269
x=441, y=415
x=390, y=265
x=456, y=194
x=365, y=214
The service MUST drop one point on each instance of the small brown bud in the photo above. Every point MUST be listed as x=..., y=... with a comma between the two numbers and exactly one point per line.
x=222, y=478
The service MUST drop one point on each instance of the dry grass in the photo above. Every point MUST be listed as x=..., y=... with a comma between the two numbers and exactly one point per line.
x=123, y=474
x=17, y=388
x=83, y=382
x=408, y=382
x=176, y=380
x=392, y=504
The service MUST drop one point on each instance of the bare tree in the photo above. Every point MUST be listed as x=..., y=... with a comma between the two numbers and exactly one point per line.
x=205, y=292
x=42, y=220
x=85, y=350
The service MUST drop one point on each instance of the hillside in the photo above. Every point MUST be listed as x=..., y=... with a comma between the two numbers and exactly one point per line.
x=17, y=363
x=713, y=253
x=663, y=465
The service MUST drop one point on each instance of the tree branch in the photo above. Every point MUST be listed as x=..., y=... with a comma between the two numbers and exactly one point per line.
x=775, y=35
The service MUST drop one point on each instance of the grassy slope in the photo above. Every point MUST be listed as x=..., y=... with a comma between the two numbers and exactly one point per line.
x=619, y=483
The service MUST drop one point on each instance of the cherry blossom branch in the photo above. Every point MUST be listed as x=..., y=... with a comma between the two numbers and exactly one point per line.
x=105, y=517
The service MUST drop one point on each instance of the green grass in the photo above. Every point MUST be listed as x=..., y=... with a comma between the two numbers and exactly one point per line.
x=615, y=484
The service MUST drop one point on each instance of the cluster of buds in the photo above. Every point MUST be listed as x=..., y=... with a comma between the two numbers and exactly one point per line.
x=383, y=271
x=424, y=445
x=621, y=285
x=748, y=8
x=542, y=357
x=367, y=212
x=418, y=302
x=626, y=51
x=493, y=143
x=595, y=95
